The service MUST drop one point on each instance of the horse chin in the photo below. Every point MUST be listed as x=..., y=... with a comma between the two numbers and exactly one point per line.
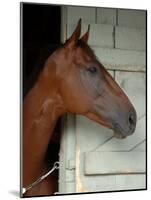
x=119, y=132
x=119, y=135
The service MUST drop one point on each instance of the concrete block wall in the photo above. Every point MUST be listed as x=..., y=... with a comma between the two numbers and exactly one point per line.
x=130, y=38
x=120, y=17
x=106, y=16
x=132, y=18
x=118, y=38
x=102, y=34
x=113, y=30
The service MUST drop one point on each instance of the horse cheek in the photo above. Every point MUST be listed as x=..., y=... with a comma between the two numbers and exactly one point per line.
x=75, y=98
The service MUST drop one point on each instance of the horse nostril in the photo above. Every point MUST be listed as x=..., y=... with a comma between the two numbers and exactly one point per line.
x=132, y=119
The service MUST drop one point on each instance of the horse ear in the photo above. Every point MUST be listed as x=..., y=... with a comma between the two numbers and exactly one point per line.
x=85, y=37
x=75, y=35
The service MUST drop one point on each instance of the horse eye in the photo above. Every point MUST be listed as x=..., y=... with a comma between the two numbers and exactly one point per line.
x=93, y=70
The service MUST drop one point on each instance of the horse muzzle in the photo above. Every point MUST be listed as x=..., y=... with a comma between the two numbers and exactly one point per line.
x=125, y=126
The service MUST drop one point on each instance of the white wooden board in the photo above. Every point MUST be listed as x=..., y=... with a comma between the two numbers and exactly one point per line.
x=100, y=163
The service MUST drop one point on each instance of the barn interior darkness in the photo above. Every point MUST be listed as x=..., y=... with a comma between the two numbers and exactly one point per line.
x=40, y=35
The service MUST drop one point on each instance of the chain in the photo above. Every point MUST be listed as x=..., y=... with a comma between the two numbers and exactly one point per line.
x=55, y=166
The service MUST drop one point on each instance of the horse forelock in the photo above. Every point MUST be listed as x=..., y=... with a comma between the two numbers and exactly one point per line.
x=86, y=48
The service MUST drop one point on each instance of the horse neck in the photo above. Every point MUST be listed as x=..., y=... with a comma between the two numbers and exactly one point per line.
x=42, y=108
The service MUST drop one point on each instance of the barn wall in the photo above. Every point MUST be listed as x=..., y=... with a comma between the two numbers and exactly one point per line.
x=118, y=38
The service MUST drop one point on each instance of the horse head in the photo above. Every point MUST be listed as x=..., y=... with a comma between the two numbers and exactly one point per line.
x=86, y=87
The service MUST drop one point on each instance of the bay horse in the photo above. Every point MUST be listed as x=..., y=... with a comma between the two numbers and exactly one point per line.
x=72, y=81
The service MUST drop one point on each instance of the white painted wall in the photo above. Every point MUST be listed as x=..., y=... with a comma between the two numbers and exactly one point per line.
x=118, y=39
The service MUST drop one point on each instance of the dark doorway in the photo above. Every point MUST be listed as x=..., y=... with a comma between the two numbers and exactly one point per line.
x=41, y=36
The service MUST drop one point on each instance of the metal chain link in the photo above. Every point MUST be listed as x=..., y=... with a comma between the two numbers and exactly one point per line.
x=55, y=166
